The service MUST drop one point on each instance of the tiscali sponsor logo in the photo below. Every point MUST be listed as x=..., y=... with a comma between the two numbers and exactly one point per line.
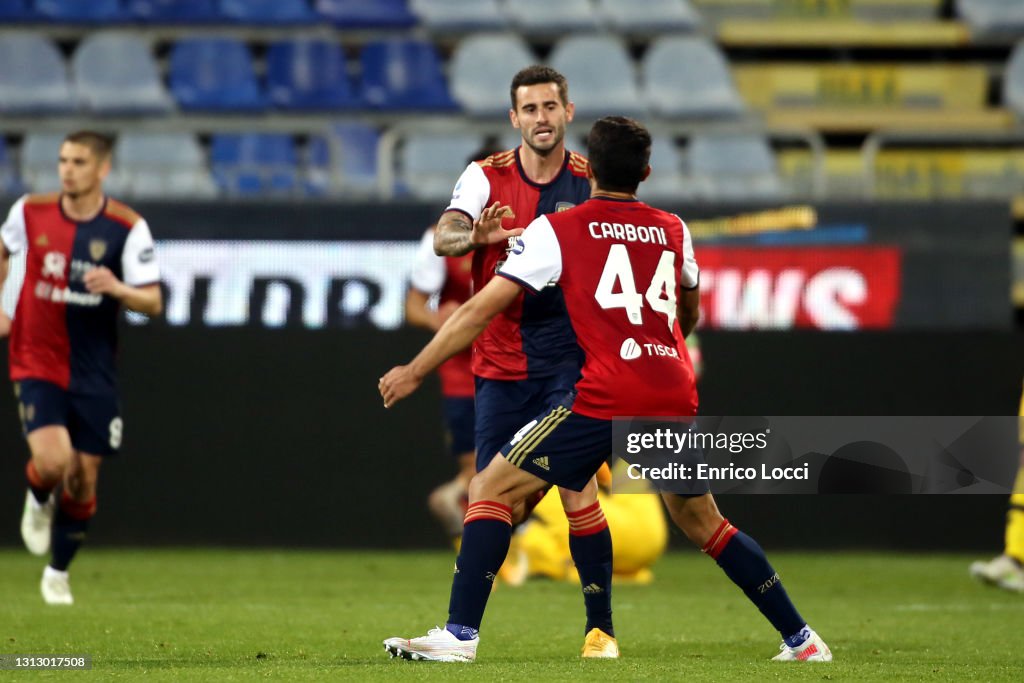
x=629, y=350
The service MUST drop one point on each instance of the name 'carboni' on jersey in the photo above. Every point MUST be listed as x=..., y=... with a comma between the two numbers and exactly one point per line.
x=628, y=232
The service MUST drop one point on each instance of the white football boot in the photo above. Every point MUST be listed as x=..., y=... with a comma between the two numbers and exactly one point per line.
x=439, y=645
x=1003, y=572
x=55, y=587
x=36, y=521
x=813, y=649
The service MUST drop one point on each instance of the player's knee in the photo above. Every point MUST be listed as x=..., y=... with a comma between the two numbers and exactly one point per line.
x=50, y=464
x=577, y=500
x=485, y=486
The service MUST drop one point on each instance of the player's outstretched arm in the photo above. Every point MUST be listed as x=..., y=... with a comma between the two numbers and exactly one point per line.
x=688, y=310
x=146, y=299
x=456, y=235
x=451, y=237
x=417, y=310
x=465, y=325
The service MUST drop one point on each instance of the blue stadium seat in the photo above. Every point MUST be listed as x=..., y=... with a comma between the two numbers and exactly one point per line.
x=267, y=11
x=345, y=159
x=431, y=163
x=33, y=77
x=546, y=17
x=168, y=11
x=366, y=13
x=666, y=181
x=80, y=11
x=39, y=155
x=993, y=17
x=254, y=164
x=308, y=75
x=8, y=174
x=214, y=74
x=160, y=165
x=14, y=10
x=703, y=89
x=481, y=68
x=1013, y=80
x=115, y=73
x=404, y=74
x=458, y=15
x=649, y=16
x=610, y=89
x=733, y=167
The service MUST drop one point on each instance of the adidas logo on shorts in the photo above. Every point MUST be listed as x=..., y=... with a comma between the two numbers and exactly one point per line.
x=542, y=462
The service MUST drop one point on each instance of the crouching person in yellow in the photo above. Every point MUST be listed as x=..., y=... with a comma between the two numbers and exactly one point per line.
x=636, y=521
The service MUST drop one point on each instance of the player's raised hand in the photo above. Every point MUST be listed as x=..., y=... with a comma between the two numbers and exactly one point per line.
x=101, y=280
x=399, y=382
x=487, y=229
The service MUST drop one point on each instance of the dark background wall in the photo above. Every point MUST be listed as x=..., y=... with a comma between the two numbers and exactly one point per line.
x=277, y=437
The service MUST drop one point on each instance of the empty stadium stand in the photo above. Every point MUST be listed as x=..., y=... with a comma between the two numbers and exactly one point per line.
x=342, y=80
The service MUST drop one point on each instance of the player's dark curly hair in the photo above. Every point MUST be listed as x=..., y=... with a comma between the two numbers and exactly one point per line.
x=619, y=150
x=100, y=144
x=537, y=74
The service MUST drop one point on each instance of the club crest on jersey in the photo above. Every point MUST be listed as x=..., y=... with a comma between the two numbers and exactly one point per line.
x=97, y=248
x=563, y=206
x=42, y=241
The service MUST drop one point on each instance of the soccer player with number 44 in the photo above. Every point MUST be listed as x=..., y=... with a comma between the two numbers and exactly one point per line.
x=630, y=282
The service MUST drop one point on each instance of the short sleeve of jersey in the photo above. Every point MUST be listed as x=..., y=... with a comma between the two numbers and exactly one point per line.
x=13, y=231
x=138, y=261
x=428, y=270
x=536, y=259
x=12, y=286
x=688, y=271
x=471, y=192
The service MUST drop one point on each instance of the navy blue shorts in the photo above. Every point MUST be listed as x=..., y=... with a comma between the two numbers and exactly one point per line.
x=94, y=422
x=561, y=447
x=504, y=406
x=460, y=422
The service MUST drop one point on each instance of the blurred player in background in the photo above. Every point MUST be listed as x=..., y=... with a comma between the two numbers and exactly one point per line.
x=568, y=442
x=636, y=521
x=1007, y=570
x=528, y=358
x=449, y=279
x=85, y=257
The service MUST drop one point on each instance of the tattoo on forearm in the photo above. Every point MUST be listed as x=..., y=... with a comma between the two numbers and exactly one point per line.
x=452, y=236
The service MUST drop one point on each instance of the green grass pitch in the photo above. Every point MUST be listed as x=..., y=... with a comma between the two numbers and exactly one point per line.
x=220, y=615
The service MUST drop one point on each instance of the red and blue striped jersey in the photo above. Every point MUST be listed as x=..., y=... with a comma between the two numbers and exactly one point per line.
x=533, y=337
x=62, y=333
x=621, y=266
